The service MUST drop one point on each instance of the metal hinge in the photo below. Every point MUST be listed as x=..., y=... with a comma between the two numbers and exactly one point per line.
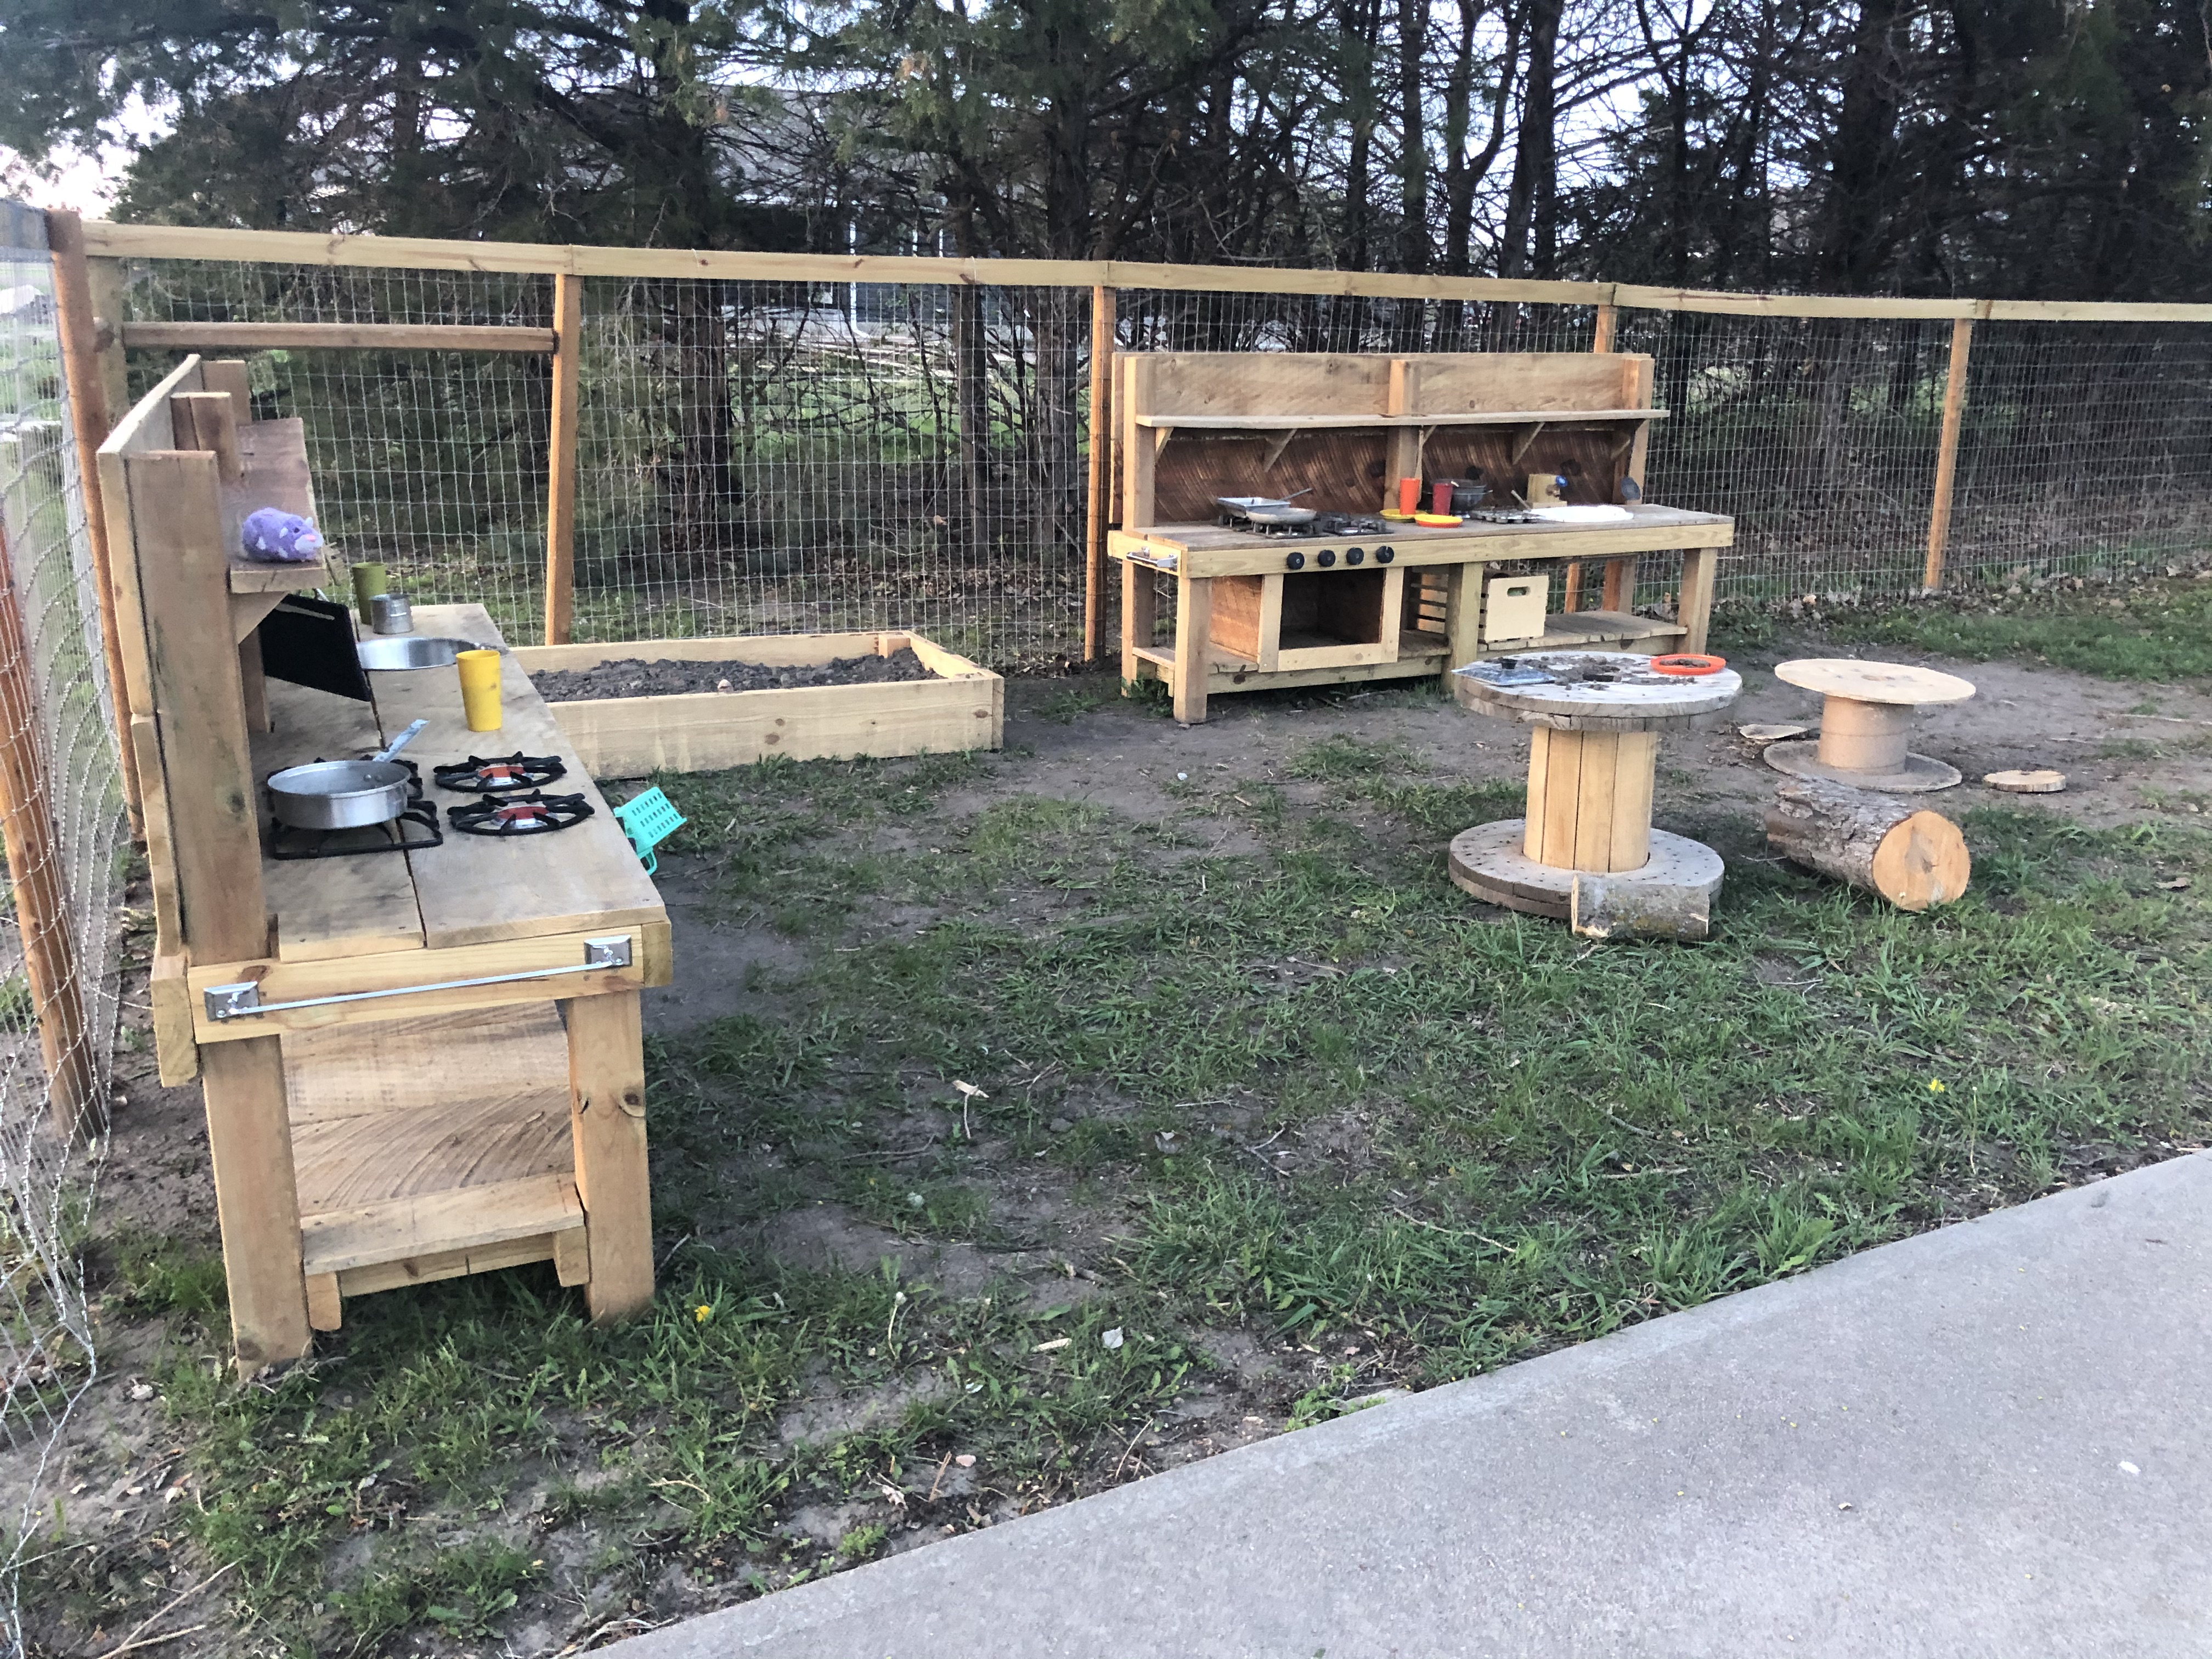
x=243, y=1000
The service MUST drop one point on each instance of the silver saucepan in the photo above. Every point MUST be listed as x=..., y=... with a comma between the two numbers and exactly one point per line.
x=347, y=794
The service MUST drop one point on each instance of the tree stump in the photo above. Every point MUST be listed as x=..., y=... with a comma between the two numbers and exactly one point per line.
x=1913, y=857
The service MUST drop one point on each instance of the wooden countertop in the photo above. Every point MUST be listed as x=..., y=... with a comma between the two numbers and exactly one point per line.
x=1212, y=550
x=473, y=890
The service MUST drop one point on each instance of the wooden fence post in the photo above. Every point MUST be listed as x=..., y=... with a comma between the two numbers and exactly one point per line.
x=91, y=415
x=1102, y=458
x=1947, y=454
x=42, y=911
x=561, y=470
x=1608, y=320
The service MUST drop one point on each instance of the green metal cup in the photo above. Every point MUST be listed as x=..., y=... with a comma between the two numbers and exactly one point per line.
x=368, y=583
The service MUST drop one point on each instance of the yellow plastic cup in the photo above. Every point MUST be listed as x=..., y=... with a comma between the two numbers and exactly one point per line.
x=480, y=690
x=369, y=582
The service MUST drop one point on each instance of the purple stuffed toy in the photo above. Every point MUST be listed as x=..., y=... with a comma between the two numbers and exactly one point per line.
x=275, y=537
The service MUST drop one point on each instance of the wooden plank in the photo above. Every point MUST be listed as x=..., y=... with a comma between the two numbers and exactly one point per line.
x=464, y=1219
x=634, y=737
x=1288, y=389
x=1638, y=392
x=256, y=1203
x=1463, y=614
x=1694, y=607
x=1329, y=423
x=230, y=374
x=449, y=1264
x=1946, y=455
x=425, y=1105
x=1194, y=632
x=1602, y=334
x=288, y=982
x=560, y=461
x=1632, y=799
x=170, y=1003
x=143, y=427
x=1100, y=460
x=1139, y=372
x=330, y=908
x=1640, y=298
x=144, y=753
x=606, y=1075
x=354, y=336
x=476, y=888
x=572, y=1256
x=1556, y=386
x=1238, y=604
x=105, y=280
x=1208, y=551
x=1619, y=585
x=326, y=1305
x=1593, y=808
x=1417, y=656
x=206, y=420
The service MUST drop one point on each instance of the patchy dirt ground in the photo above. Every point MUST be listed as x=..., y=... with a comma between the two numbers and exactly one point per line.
x=969, y=1187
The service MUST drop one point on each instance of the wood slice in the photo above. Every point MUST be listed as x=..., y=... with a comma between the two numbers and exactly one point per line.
x=1911, y=857
x=1607, y=907
x=2026, y=783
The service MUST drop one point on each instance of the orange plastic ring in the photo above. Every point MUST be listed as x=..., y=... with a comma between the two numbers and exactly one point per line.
x=1688, y=664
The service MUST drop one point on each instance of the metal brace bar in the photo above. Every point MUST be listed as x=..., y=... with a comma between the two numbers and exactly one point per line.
x=243, y=1000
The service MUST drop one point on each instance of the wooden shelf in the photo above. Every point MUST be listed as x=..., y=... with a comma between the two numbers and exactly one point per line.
x=1582, y=630
x=1327, y=422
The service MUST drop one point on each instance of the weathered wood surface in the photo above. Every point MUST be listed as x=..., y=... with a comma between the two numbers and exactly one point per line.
x=1909, y=856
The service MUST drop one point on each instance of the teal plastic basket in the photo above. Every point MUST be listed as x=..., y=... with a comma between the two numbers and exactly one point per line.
x=648, y=820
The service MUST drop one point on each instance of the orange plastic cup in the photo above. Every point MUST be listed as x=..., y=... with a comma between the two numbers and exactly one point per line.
x=1409, y=495
x=480, y=690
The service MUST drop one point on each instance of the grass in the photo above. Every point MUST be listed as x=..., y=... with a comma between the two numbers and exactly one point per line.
x=2159, y=631
x=1300, y=1101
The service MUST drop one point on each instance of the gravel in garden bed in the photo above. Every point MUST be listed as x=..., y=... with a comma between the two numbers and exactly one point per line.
x=635, y=676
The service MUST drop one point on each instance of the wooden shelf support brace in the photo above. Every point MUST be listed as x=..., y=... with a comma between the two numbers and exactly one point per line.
x=560, y=471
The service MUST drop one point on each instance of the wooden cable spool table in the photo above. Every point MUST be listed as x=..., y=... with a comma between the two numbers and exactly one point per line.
x=1597, y=716
x=1866, y=723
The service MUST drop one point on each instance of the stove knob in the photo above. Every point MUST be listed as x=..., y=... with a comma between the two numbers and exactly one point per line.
x=1326, y=557
x=1294, y=561
x=1384, y=555
x=1354, y=555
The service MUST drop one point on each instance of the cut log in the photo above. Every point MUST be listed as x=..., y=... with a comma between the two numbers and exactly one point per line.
x=1913, y=857
x=1612, y=907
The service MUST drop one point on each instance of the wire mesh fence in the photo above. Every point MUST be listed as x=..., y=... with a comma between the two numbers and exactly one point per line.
x=61, y=811
x=806, y=457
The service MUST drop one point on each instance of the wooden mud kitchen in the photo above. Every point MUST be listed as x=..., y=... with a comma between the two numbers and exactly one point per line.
x=421, y=1060
x=1547, y=450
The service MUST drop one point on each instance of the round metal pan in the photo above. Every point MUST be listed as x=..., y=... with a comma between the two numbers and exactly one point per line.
x=339, y=794
x=411, y=651
x=1264, y=509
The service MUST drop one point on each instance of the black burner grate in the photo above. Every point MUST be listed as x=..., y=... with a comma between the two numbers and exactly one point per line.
x=391, y=836
x=532, y=814
x=478, y=775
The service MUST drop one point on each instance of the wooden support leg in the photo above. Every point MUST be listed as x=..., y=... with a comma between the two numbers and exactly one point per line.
x=1620, y=584
x=1571, y=598
x=257, y=1200
x=606, y=1116
x=1463, y=615
x=1193, y=646
x=1139, y=611
x=1695, y=612
x=326, y=1307
x=253, y=684
x=1589, y=799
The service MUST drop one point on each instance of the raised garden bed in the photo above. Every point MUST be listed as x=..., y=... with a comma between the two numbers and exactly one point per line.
x=910, y=697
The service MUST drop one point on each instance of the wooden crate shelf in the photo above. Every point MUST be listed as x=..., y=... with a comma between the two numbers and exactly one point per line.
x=962, y=708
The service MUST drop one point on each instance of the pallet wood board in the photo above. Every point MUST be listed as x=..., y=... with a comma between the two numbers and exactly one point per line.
x=965, y=708
x=407, y=1107
x=461, y=1219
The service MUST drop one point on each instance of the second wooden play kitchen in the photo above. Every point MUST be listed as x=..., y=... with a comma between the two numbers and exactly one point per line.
x=417, y=1039
x=1546, y=451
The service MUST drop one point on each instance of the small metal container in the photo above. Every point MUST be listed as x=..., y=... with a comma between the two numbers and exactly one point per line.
x=390, y=613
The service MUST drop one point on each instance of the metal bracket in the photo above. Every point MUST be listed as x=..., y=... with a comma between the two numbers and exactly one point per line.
x=243, y=1000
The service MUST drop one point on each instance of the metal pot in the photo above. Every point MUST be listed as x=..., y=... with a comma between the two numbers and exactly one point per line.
x=348, y=794
x=1469, y=494
x=411, y=651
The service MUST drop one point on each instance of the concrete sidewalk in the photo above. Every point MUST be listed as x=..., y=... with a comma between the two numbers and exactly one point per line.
x=1993, y=1439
